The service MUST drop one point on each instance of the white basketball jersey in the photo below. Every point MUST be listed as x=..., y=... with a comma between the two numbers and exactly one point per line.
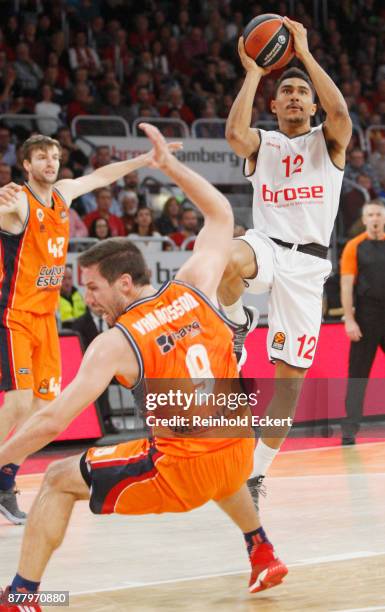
x=296, y=187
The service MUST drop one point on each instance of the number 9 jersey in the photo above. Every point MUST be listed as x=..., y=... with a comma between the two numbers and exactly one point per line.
x=32, y=262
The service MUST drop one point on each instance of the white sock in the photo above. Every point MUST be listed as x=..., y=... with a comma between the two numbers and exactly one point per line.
x=263, y=458
x=235, y=312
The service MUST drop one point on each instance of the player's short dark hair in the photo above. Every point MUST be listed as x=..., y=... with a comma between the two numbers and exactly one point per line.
x=39, y=142
x=114, y=257
x=294, y=73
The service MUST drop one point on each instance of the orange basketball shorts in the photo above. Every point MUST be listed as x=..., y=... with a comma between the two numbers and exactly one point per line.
x=30, y=353
x=136, y=478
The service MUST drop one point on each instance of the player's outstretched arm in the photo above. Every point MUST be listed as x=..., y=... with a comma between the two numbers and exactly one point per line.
x=73, y=188
x=212, y=247
x=241, y=137
x=101, y=362
x=338, y=125
x=10, y=200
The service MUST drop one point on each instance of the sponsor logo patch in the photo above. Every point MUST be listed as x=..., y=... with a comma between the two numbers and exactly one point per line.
x=279, y=341
x=167, y=342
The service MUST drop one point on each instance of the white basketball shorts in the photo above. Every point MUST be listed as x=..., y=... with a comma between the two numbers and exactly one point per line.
x=295, y=283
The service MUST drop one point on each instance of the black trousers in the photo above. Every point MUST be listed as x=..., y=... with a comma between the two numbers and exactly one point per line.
x=370, y=316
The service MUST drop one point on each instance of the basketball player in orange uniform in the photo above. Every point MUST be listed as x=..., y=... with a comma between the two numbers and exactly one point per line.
x=174, y=332
x=34, y=233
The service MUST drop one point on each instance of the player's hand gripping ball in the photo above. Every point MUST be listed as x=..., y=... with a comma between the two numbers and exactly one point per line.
x=268, y=41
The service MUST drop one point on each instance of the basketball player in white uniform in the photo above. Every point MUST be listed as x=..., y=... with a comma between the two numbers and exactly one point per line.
x=296, y=173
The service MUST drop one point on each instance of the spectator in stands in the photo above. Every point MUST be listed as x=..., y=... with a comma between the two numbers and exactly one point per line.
x=7, y=148
x=129, y=203
x=77, y=159
x=357, y=165
x=175, y=100
x=82, y=104
x=89, y=325
x=377, y=159
x=143, y=97
x=189, y=228
x=18, y=172
x=159, y=58
x=168, y=222
x=83, y=56
x=352, y=202
x=101, y=158
x=115, y=106
x=78, y=229
x=100, y=229
x=28, y=73
x=5, y=174
x=103, y=199
x=141, y=38
x=144, y=227
x=47, y=108
x=36, y=47
x=131, y=183
x=194, y=44
x=71, y=302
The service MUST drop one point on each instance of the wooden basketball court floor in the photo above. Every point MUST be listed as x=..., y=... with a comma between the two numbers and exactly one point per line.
x=325, y=513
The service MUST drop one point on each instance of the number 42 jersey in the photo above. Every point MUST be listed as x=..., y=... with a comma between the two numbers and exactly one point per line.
x=32, y=262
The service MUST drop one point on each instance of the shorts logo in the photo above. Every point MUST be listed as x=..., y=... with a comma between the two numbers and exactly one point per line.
x=44, y=386
x=279, y=341
x=24, y=371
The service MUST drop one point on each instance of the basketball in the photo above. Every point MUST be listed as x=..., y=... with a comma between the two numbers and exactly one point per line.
x=268, y=41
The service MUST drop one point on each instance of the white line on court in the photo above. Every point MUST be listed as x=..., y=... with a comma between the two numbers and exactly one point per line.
x=336, y=446
x=360, y=609
x=312, y=561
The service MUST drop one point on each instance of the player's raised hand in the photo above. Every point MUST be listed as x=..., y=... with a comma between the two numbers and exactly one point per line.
x=247, y=62
x=161, y=154
x=8, y=198
x=299, y=33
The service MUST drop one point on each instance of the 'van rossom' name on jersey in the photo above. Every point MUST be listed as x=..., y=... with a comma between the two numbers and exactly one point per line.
x=296, y=187
x=32, y=262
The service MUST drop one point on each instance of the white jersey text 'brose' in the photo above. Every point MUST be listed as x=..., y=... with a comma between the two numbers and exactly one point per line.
x=296, y=187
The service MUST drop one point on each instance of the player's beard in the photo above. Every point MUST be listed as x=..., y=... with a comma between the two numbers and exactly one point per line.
x=296, y=120
x=43, y=180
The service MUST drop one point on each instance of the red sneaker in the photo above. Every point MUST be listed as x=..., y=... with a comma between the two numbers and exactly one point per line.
x=7, y=606
x=267, y=570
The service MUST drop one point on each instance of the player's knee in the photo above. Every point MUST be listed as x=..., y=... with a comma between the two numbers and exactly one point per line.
x=55, y=475
x=20, y=403
x=234, y=266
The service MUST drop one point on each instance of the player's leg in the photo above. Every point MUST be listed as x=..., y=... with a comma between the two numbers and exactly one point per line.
x=295, y=311
x=15, y=410
x=17, y=381
x=62, y=486
x=267, y=569
x=250, y=264
x=242, y=264
x=361, y=357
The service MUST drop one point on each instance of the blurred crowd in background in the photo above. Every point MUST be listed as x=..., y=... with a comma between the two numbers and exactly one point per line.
x=174, y=59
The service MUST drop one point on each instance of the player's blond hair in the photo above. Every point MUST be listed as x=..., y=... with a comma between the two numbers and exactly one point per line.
x=39, y=142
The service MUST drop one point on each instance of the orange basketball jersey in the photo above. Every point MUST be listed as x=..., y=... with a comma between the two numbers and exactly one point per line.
x=32, y=262
x=179, y=334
